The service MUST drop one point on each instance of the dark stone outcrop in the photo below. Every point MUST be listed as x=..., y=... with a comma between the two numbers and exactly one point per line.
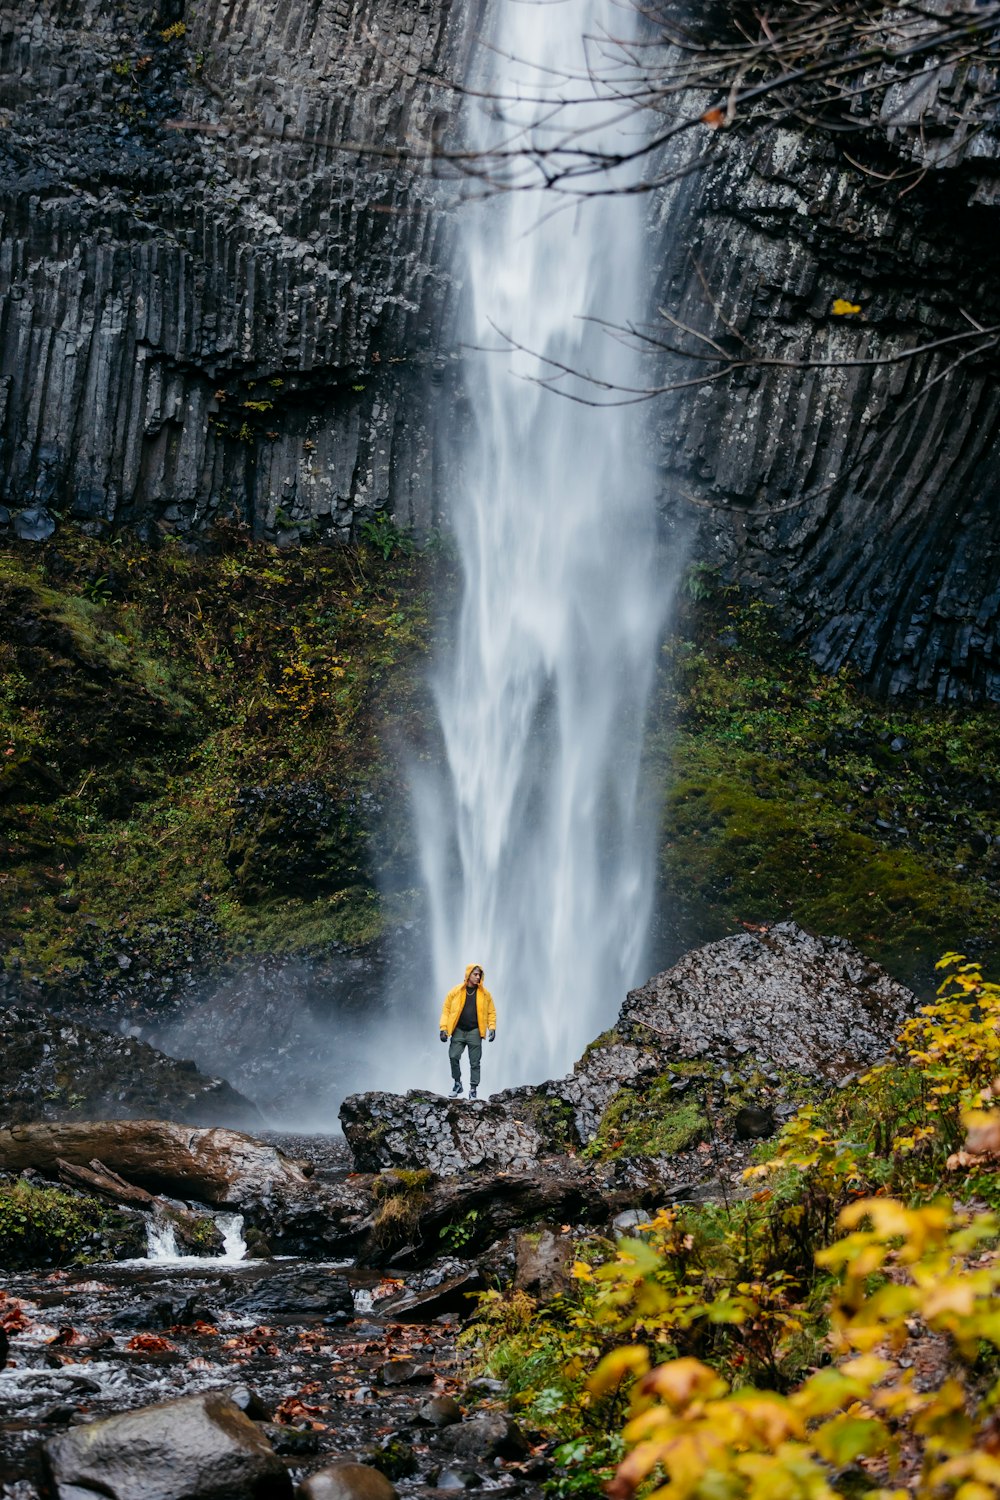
x=790, y=1000
x=861, y=499
x=221, y=294
x=813, y=1004
x=197, y=1448
x=56, y=1069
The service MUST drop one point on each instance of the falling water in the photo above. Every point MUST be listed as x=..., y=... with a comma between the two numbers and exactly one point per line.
x=161, y=1242
x=536, y=854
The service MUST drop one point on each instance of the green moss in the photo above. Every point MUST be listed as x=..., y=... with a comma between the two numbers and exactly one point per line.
x=783, y=797
x=652, y=1121
x=142, y=692
x=46, y=1227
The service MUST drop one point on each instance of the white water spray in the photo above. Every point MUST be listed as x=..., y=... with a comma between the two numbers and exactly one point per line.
x=537, y=860
x=161, y=1242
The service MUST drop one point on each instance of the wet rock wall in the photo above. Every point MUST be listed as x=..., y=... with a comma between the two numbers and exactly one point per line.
x=859, y=495
x=218, y=295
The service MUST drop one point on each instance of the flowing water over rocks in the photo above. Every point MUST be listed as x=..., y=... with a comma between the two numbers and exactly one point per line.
x=535, y=852
x=303, y=1348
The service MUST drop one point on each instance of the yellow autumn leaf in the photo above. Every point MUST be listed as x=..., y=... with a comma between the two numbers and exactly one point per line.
x=842, y=308
x=681, y=1381
x=630, y=1359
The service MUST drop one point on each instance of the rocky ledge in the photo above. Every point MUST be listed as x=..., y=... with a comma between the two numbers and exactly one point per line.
x=705, y=1059
x=742, y=1024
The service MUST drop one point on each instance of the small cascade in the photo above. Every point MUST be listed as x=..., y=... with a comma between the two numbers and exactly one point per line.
x=234, y=1246
x=161, y=1242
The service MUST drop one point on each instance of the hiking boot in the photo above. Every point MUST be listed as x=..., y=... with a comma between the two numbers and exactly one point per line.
x=473, y=1094
x=456, y=1088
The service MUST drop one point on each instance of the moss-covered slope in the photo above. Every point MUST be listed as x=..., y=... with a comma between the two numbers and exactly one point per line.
x=787, y=793
x=190, y=747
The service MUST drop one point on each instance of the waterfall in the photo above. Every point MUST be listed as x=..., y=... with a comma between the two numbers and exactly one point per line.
x=535, y=850
x=161, y=1241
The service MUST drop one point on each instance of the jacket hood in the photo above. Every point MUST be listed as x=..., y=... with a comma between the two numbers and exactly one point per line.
x=469, y=968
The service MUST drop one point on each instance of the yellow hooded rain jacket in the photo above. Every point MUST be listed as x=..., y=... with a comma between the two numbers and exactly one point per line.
x=454, y=1001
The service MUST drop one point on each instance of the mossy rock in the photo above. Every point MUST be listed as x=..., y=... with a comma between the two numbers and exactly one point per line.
x=43, y=1226
x=294, y=839
x=655, y=1121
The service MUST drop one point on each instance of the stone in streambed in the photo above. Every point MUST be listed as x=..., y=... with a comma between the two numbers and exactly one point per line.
x=405, y=1372
x=439, y=1411
x=488, y=1435
x=197, y=1448
x=313, y=1292
x=346, y=1482
x=423, y=1307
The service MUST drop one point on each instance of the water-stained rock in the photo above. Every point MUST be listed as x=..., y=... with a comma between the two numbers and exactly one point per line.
x=196, y=1448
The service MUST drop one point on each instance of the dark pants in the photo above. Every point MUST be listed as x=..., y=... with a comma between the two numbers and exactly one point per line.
x=459, y=1041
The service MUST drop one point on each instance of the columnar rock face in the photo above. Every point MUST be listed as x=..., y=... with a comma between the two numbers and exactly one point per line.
x=218, y=296
x=861, y=497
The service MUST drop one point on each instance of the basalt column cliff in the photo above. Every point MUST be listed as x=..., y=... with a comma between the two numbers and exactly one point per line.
x=210, y=304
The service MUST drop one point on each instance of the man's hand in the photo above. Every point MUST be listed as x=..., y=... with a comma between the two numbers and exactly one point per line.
x=492, y=1037
x=443, y=1035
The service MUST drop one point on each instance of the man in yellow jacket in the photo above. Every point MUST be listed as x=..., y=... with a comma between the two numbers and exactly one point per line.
x=468, y=1014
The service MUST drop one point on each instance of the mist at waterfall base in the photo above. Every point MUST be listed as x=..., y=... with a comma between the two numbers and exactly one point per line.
x=536, y=847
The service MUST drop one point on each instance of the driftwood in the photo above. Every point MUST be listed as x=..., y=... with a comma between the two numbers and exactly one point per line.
x=99, y=1179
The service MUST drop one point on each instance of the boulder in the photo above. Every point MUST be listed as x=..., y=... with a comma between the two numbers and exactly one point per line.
x=196, y=1448
x=439, y=1411
x=346, y=1481
x=488, y=1435
x=814, y=1004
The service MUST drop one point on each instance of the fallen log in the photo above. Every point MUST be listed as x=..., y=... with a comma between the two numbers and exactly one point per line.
x=99, y=1179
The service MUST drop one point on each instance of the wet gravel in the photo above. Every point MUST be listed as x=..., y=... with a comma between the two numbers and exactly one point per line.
x=86, y=1343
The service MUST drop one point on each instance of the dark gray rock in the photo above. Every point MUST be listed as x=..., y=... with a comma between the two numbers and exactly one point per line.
x=197, y=1448
x=34, y=525
x=752, y=1124
x=291, y=1442
x=346, y=1481
x=439, y=1411
x=812, y=1004
x=228, y=313
x=53, y=1068
x=312, y=1292
x=861, y=501
x=486, y=1436
x=405, y=1372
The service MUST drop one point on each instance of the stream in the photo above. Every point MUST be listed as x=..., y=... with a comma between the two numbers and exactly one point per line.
x=301, y=1343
